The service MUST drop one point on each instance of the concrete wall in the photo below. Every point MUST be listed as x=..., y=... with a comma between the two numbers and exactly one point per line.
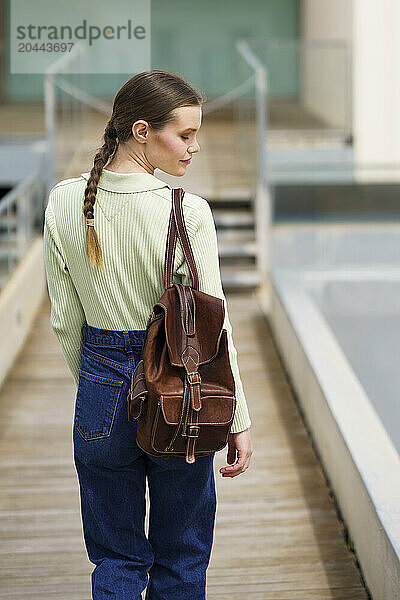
x=359, y=459
x=376, y=34
x=371, y=28
x=325, y=84
x=20, y=299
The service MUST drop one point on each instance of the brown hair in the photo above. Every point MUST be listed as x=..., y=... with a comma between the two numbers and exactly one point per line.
x=150, y=95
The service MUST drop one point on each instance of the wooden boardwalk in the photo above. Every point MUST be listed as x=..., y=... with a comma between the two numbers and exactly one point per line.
x=277, y=534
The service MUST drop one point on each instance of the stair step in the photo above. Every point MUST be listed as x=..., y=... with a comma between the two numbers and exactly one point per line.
x=224, y=217
x=8, y=220
x=233, y=212
x=8, y=248
x=234, y=277
x=235, y=194
x=229, y=248
x=3, y=281
x=8, y=238
x=235, y=236
x=5, y=272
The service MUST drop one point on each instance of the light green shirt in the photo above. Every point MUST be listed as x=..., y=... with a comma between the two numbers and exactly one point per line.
x=131, y=215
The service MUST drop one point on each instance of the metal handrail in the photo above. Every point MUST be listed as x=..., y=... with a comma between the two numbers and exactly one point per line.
x=234, y=94
x=21, y=213
x=263, y=201
x=50, y=106
x=8, y=199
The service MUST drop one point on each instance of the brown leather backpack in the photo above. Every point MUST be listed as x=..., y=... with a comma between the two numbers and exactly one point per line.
x=182, y=389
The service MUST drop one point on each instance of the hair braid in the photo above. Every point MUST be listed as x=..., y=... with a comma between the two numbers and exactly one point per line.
x=93, y=248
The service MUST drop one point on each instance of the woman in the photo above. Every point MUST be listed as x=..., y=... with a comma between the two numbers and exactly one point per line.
x=104, y=249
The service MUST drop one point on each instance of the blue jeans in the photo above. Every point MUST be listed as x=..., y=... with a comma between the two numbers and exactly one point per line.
x=112, y=469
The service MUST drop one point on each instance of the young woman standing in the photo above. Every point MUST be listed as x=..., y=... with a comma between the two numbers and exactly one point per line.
x=104, y=250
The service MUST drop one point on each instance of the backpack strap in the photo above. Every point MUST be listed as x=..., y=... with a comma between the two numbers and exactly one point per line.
x=176, y=228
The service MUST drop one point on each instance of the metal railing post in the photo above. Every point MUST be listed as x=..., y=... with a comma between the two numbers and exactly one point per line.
x=50, y=110
x=263, y=205
x=50, y=118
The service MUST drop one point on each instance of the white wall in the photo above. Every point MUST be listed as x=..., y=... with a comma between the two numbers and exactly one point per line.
x=324, y=19
x=376, y=32
x=372, y=30
x=324, y=71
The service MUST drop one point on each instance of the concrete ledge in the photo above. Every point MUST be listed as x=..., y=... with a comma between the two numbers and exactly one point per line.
x=20, y=300
x=360, y=460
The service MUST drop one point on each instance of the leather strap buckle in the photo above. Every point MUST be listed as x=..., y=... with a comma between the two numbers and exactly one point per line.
x=194, y=378
x=194, y=431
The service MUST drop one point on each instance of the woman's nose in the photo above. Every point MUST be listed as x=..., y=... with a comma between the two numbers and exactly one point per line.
x=194, y=148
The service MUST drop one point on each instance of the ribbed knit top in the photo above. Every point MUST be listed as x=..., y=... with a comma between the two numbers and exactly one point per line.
x=131, y=215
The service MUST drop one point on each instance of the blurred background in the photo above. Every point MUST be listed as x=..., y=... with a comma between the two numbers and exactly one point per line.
x=300, y=162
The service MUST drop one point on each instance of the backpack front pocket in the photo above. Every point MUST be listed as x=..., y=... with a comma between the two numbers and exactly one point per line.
x=96, y=405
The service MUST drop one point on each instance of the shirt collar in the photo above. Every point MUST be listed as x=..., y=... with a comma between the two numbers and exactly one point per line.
x=127, y=182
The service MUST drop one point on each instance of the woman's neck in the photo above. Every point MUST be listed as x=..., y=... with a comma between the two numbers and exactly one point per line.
x=124, y=163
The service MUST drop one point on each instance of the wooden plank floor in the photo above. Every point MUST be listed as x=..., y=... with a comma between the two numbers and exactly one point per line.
x=277, y=535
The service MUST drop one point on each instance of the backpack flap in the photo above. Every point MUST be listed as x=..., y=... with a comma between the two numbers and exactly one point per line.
x=216, y=409
x=192, y=318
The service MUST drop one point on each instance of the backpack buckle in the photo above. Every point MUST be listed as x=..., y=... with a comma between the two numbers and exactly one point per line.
x=194, y=377
x=194, y=431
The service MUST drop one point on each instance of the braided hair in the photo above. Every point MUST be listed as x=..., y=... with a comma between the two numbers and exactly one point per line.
x=107, y=150
x=150, y=95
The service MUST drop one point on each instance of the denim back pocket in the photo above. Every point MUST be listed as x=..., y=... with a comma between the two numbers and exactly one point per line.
x=96, y=405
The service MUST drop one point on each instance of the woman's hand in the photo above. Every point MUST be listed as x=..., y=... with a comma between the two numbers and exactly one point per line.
x=241, y=443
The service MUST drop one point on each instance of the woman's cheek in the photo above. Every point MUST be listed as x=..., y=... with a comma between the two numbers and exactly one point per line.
x=173, y=146
x=178, y=148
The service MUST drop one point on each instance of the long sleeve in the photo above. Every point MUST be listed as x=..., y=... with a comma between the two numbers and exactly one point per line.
x=67, y=315
x=205, y=249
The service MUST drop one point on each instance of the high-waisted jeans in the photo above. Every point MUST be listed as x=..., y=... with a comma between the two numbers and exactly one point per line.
x=112, y=470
